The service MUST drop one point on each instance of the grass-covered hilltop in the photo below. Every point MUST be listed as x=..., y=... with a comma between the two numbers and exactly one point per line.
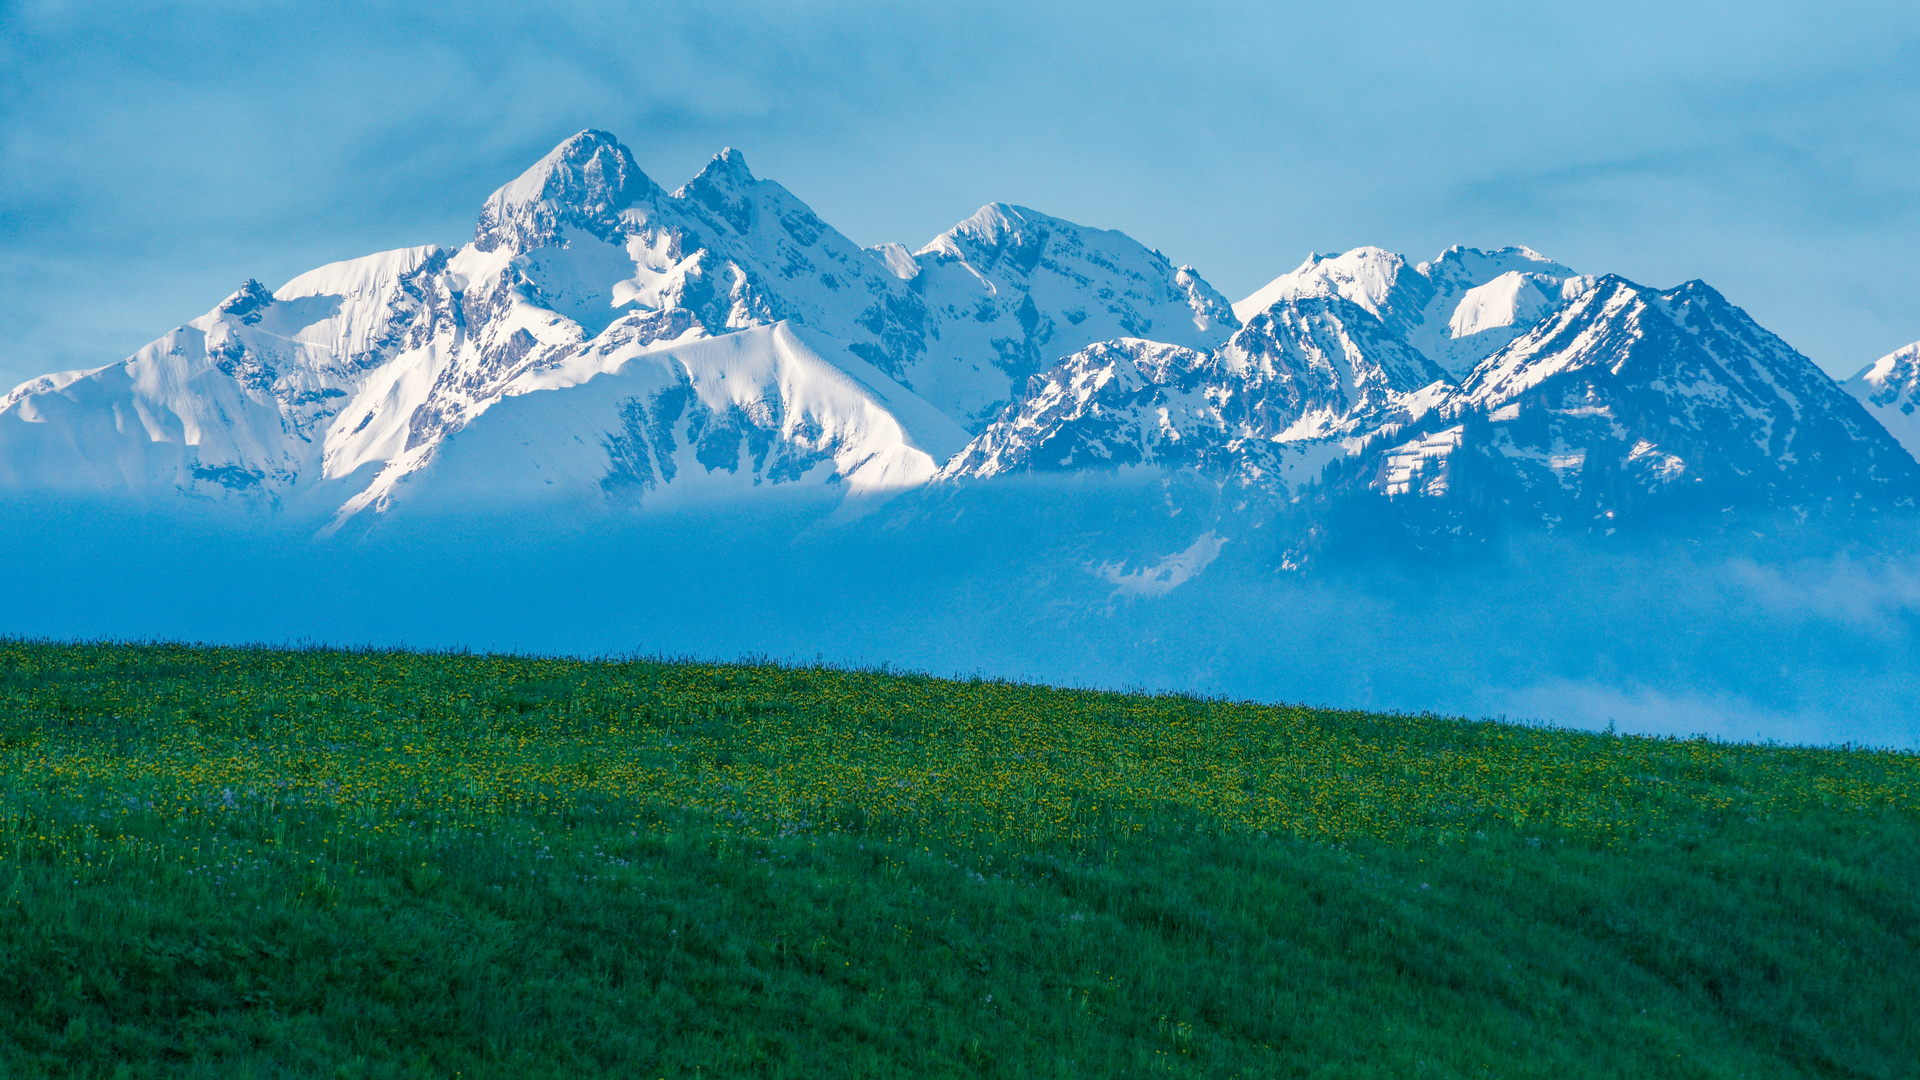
x=254, y=863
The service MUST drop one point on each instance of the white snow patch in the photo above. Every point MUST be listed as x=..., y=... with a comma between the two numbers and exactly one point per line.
x=1420, y=459
x=1500, y=304
x=1165, y=574
x=897, y=259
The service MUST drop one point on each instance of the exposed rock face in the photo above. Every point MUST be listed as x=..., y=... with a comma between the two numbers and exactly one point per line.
x=1301, y=383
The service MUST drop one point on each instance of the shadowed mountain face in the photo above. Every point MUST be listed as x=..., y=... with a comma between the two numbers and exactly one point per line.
x=1619, y=406
x=1631, y=400
x=605, y=346
x=1304, y=379
x=1629, y=406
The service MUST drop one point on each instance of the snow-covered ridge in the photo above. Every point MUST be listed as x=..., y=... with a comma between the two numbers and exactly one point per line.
x=1456, y=310
x=1627, y=400
x=750, y=413
x=1302, y=383
x=1604, y=402
x=341, y=388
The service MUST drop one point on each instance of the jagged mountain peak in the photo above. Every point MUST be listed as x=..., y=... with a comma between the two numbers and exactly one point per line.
x=1456, y=309
x=1890, y=389
x=729, y=192
x=1212, y=314
x=1378, y=279
x=996, y=235
x=1695, y=290
x=1628, y=400
x=1010, y=290
x=728, y=168
x=1517, y=257
x=1597, y=327
x=1300, y=385
x=247, y=302
x=585, y=182
x=897, y=260
x=1901, y=363
x=1350, y=345
x=1364, y=275
x=1008, y=235
x=1891, y=374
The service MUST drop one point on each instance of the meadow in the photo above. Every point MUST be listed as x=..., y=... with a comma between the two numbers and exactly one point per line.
x=254, y=862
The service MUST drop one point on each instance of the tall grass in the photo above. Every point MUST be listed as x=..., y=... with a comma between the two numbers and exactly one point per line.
x=254, y=862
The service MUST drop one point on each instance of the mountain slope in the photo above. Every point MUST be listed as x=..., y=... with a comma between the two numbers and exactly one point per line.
x=1009, y=291
x=1456, y=310
x=1632, y=403
x=331, y=392
x=1290, y=391
x=1890, y=389
x=746, y=412
x=235, y=405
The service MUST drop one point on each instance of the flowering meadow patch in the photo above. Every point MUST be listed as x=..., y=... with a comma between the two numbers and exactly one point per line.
x=389, y=737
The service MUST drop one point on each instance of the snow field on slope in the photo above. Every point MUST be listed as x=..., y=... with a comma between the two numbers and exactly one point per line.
x=541, y=446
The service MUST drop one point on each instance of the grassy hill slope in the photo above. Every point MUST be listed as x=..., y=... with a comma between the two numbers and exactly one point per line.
x=230, y=862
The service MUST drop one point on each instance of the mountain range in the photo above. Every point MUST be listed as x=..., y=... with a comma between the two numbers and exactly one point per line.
x=602, y=345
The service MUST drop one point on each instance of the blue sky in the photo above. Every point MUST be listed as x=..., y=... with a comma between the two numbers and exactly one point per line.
x=154, y=156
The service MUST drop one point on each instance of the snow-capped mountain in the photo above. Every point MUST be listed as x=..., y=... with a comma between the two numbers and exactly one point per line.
x=1628, y=403
x=238, y=403
x=1606, y=403
x=1705, y=375
x=1890, y=389
x=1303, y=383
x=607, y=344
x=339, y=391
x=1456, y=310
x=1009, y=291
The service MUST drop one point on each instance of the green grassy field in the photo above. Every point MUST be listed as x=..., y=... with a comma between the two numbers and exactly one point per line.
x=231, y=862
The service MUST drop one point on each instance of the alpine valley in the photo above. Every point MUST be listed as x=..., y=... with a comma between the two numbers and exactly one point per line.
x=604, y=346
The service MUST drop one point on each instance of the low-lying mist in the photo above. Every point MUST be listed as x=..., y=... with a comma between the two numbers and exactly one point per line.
x=1791, y=636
